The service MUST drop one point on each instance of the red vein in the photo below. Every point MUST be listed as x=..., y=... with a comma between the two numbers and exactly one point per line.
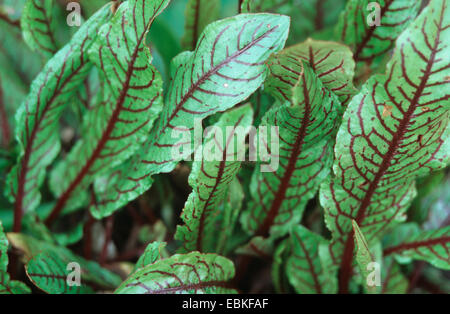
x=216, y=185
x=415, y=245
x=296, y=150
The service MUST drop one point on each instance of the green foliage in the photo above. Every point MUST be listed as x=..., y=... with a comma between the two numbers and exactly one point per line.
x=114, y=128
x=364, y=257
x=304, y=264
x=393, y=131
x=199, y=13
x=152, y=253
x=369, y=41
x=308, y=17
x=38, y=27
x=180, y=147
x=8, y=286
x=211, y=180
x=332, y=62
x=394, y=281
x=37, y=118
x=182, y=273
x=226, y=67
x=431, y=246
x=48, y=272
x=307, y=122
x=48, y=260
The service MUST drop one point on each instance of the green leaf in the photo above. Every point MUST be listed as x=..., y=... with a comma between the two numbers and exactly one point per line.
x=307, y=16
x=258, y=247
x=14, y=287
x=199, y=13
x=368, y=41
x=211, y=177
x=3, y=250
x=181, y=273
x=332, y=62
x=8, y=286
x=432, y=246
x=433, y=200
x=50, y=273
x=278, y=272
x=393, y=131
x=38, y=27
x=401, y=233
x=9, y=81
x=437, y=278
x=91, y=272
x=22, y=60
x=70, y=236
x=305, y=129
x=152, y=253
x=18, y=66
x=37, y=118
x=114, y=129
x=167, y=46
x=304, y=269
x=228, y=216
x=329, y=268
x=393, y=280
x=364, y=258
x=226, y=67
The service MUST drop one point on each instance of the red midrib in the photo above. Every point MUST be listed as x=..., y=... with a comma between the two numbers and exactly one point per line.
x=416, y=245
x=282, y=188
x=18, y=210
x=218, y=180
x=101, y=143
x=202, y=216
x=347, y=259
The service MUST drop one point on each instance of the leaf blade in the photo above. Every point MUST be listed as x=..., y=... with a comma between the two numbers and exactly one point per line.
x=432, y=246
x=181, y=273
x=378, y=157
x=36, y=119
x=227, y=77
x=210, y=179
x=133, y=99
x=38, y=28
x=366, y=41
x=305, y=128
x=199, y=13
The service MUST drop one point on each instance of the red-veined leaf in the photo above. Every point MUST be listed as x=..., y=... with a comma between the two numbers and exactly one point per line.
x=305, y=129
x=393, y=131
x=199, y=13
x=432, y=246
x=211, y=177
x=332, y=62
x=226, y=68
x=133, y=99
x=37, y=118
x=368, y=41
x=182, y=273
